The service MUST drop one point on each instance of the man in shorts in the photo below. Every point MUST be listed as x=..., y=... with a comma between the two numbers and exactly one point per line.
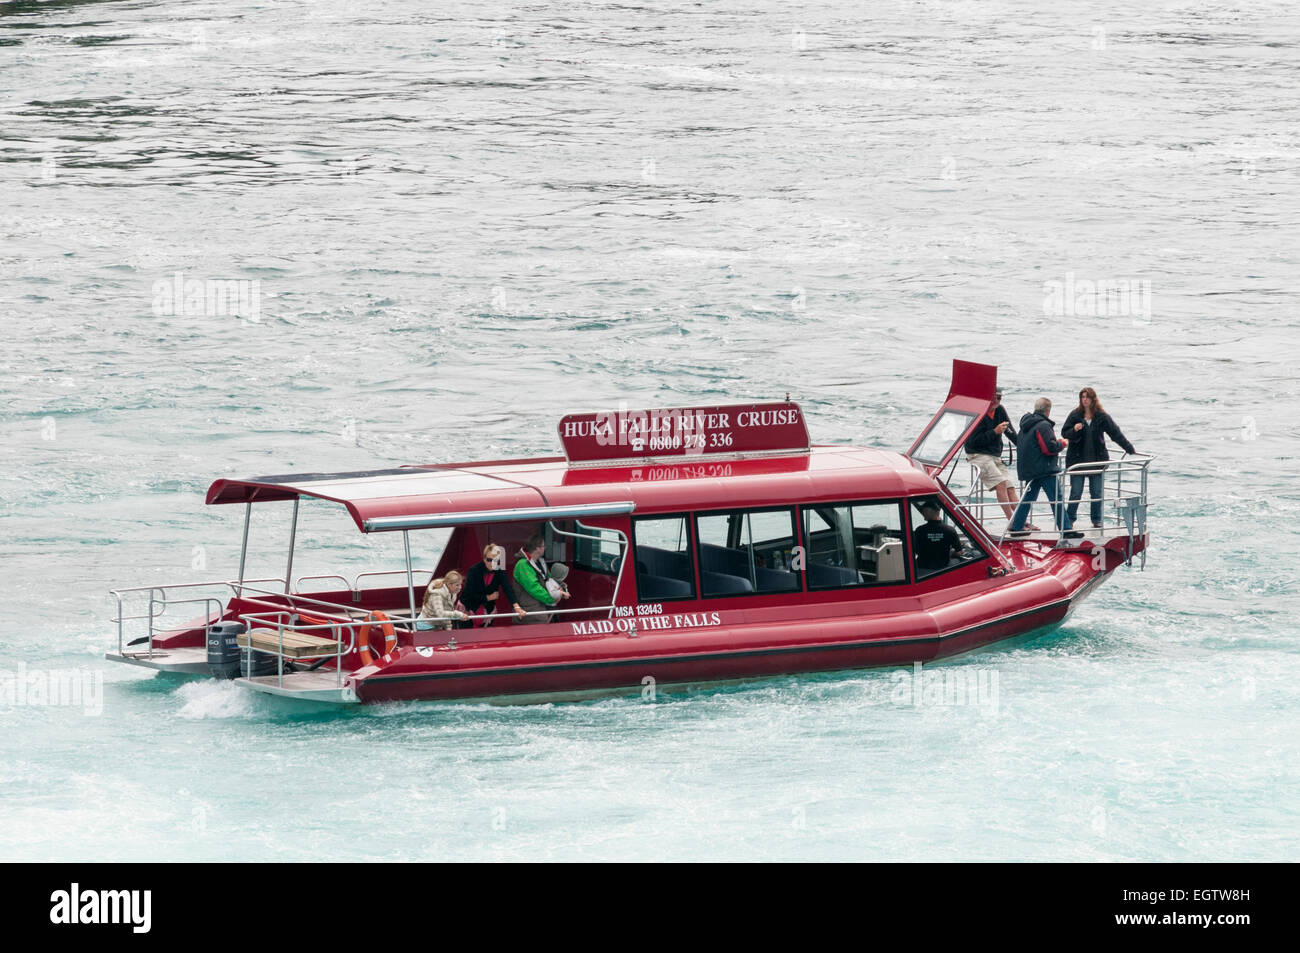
x=984, y=450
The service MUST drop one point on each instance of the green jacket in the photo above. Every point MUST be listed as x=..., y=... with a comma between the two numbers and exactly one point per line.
x=526, y=576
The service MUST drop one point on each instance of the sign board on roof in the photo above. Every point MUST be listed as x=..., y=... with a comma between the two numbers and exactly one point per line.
x=684, y=432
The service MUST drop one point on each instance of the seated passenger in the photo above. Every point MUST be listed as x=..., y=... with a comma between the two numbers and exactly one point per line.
x=442, y=603
x=934, y=542
x=484, y=582
x=531, y=574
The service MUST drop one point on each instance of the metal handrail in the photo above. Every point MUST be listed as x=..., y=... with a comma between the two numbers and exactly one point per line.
x=1120, y=465
x=290, y=596
x=253, y=600
x=193, y=585
x=208, y=620
x=158, y=596
x=512, y=614
x=622, y=541
x=294, y=627
x=297, y=586
x=1129, y=506
x=356, y=583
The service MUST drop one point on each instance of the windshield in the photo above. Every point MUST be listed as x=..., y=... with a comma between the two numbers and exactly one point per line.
x=942, y=437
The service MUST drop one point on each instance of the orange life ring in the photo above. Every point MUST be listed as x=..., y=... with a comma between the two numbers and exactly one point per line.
x=363, y=639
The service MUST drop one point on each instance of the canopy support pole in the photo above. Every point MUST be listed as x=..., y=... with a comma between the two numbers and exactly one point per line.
x=293, y=535
x=410, y=579
x=243, y=550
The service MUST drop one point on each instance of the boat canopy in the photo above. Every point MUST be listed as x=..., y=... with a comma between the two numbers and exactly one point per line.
x=422, y=496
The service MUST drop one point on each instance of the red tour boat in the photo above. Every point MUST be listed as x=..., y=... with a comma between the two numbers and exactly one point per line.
x=704, y=545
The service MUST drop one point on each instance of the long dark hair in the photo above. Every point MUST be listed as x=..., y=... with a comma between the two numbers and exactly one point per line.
x=1096, y=404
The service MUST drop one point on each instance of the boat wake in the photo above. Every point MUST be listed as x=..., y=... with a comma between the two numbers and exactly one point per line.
x=214, y=699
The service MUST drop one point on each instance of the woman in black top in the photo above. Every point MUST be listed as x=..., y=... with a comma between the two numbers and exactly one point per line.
x=1086, y=428
x=485, y=581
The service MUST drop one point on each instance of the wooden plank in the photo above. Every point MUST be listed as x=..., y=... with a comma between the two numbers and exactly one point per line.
x=296, y=644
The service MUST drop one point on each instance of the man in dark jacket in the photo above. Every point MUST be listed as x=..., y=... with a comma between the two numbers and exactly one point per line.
x=1037, y=463
x=984, y=451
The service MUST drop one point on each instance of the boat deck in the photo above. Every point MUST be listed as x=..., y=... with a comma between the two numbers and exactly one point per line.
x=184, y=661
x=321, y=686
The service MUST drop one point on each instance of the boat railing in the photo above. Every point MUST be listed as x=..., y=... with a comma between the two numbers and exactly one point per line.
x=297, y=585
x=288, y=621
x=158, y=601
x=283, y=620
x=354, y=586
x=356, y=583
x=158, y=598
x=1124, y=502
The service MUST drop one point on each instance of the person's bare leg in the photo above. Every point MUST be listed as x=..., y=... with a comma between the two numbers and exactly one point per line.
x=1007, y=497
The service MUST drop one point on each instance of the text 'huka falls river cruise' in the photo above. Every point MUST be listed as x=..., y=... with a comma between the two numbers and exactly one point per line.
x=699, y=545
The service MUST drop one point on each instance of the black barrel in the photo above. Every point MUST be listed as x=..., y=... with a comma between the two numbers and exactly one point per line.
x=223, y=649
x=252, y=662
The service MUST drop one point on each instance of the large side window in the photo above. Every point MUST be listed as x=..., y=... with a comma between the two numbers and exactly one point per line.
x=938, y=542
x=663, y=559
x=595, y=549
x=859, y=544
x=747, y=552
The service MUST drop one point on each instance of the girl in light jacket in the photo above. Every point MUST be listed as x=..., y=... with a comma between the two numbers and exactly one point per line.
x=442, y=603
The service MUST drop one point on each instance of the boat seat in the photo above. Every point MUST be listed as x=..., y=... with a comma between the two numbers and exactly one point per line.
x=776, y=580
x=735, y=562
x=723, y=584
x=720, y=559
x=296, y=644
x=661, y=587
x=662, y=562
x=819, y=574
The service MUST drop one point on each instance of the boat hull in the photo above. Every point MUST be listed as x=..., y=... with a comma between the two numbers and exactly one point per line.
x=595, y=677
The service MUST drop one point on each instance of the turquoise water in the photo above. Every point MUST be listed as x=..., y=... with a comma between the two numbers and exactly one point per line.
x=466, y=222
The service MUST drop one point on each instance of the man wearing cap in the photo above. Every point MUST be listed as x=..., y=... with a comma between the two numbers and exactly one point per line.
x=984, y=451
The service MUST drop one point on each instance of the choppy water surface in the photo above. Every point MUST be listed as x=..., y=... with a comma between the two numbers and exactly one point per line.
x=465, y=220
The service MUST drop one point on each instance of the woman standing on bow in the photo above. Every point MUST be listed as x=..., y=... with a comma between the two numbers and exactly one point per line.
x=1086, y=429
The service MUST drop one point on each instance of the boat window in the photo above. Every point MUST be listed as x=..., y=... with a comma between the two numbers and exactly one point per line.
x=663, y=559
x=939, y=544
x=940, y=439
x=595, y=549
x=747, y=552
x=859, y=544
